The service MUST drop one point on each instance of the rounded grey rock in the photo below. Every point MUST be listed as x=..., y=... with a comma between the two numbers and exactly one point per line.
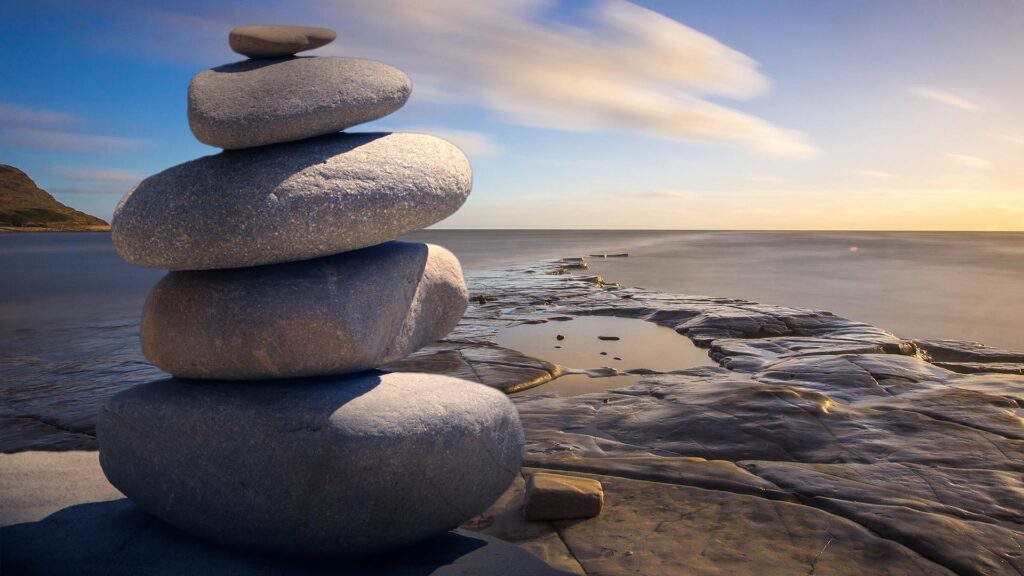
x=290, y=201
x=321, y=467
x=258, y=102
x=344, y=313
x=269, y=41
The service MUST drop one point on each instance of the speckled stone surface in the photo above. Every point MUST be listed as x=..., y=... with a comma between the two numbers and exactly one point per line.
x=344, y=313
x=323, y=467
x=822, y=445
x=269, y=41
x=290, y=201
x=258, y=102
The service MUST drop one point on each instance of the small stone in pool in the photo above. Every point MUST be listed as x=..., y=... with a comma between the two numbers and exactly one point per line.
x=604, y=353
x=616, y=358
x=557, y=346
x=607, y=337
x=559, y=337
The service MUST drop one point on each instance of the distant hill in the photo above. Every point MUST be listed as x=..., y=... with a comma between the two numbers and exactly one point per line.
x=27, y=207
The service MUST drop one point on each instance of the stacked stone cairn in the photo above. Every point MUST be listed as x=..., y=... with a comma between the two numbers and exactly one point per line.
x=286, y=290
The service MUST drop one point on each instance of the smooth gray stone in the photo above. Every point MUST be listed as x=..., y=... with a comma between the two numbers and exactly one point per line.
x=344, y=313
x=258, y=102
x=291, y=201
x=321, y=467
x=270, y=41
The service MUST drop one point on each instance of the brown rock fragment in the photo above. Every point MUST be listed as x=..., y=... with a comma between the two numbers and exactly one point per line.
x=275, y=41
x=560, y=497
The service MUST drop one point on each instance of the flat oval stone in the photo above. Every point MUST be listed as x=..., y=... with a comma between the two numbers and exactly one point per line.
x=344, y=313
x=291, y=201
x=258, y=102
x=269, y=41
x=320, y=467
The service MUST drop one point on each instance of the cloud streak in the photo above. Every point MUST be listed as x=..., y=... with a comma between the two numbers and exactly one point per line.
x=946, y=98
x=662, y=194
x=630, y=69
x=21, y=117
x=618, y=68
x=99, y=175
x=879, y=174
x=66, y=141
x=472, y=143
x=970, y=161
x=39, y=129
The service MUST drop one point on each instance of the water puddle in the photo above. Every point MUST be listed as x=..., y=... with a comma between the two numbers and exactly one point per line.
x=591, y=342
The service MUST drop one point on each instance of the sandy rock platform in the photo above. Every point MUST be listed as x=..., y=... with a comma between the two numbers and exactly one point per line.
x=820, y=445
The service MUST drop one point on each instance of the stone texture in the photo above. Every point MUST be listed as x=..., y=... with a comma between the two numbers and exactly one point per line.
x=259, y=102
x=835, y=448
x=290, y=202
x=59, y=516
x=504, y=519
x=327, y=467
x=345, y=313
x=269, y=41
x=560, y=497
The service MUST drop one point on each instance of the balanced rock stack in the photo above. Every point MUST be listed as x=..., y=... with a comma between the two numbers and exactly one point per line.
x=286, y=288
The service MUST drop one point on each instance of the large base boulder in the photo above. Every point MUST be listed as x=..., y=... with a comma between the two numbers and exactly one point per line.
x=325, y=467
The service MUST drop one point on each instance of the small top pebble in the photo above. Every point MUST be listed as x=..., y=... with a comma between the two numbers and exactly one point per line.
x=270, y=41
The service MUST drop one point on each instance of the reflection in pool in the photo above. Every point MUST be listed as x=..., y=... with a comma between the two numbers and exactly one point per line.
x=589, y=342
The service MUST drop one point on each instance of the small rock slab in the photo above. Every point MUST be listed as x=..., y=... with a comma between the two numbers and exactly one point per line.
x=291, y=201
x=323, y=467
x=270, y=41
x=561, y=497
x=345, y=313
x=258, y=102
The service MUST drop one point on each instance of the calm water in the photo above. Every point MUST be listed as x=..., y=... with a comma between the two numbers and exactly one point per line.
x=596, y=343
x=69, y=307
x=922, y=285
x=966, y=286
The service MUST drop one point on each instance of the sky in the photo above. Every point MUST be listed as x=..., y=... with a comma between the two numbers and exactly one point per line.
x=685, y=114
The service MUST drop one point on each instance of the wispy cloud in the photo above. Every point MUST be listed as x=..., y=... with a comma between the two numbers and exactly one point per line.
x=22, y=117
x=66, y=141
x=621, y=68
x=471, y=142
x=100, y=175
x=664, y=193
x=969, y=161
x=765, y=179
x=961, y=180
x=879, y=174
x=41, y=129
x=946, y=98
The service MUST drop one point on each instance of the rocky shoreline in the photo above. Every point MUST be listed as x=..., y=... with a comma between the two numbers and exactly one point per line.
x=820, y=444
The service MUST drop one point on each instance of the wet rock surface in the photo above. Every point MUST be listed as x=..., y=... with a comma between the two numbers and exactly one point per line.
x=819, y=445
x=561, y=497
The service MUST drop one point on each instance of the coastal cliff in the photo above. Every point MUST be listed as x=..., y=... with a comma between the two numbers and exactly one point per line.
x=25, y=207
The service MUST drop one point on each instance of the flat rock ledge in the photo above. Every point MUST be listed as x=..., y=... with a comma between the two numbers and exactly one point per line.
x=820, y=445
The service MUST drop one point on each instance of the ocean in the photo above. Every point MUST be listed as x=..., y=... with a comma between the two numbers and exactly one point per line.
x=967, y=286
x=69, y=307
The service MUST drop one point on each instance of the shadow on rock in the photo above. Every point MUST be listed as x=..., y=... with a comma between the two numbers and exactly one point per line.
x=117, y=538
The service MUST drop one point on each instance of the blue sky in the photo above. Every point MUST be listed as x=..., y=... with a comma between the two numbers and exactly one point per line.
x=845, y=114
